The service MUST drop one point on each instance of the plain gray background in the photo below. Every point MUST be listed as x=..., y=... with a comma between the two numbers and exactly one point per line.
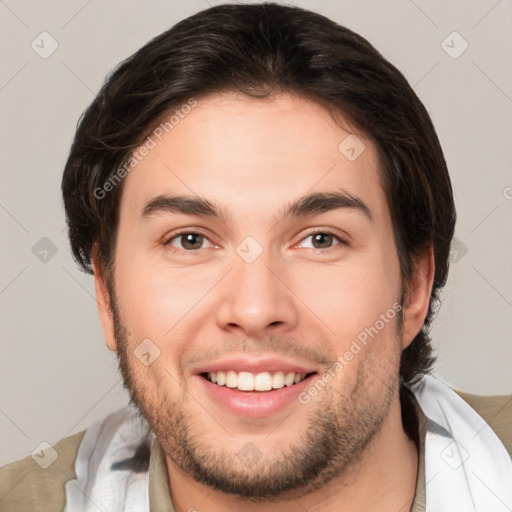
x=56, y=375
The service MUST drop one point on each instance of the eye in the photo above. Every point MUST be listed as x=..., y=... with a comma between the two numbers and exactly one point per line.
x=188, y=241
x=322, y=240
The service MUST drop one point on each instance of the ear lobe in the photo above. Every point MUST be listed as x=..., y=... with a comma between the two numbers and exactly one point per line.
x=417, y=298
x=103, y=304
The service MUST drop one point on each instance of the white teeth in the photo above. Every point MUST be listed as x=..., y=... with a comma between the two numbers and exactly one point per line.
x=263, y=382
x=288, y=380
x=246, y=381
x=231, y=379
x=221, y=378
x=278, y=380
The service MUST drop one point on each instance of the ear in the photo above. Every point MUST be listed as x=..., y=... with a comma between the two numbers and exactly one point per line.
x=417, y=297
x=103, y=303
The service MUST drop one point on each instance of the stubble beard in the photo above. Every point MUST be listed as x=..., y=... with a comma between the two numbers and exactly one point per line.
x=333, y=440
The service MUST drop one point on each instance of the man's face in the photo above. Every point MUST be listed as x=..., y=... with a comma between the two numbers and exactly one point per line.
x=257, y=297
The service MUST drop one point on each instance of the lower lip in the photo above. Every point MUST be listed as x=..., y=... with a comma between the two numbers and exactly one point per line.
x=255, y=404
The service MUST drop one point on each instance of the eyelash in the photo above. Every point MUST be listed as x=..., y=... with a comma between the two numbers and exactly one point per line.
x=341, y=240
x=338, y=238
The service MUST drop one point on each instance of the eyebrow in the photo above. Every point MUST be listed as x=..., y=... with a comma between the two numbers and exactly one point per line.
x=308, y=205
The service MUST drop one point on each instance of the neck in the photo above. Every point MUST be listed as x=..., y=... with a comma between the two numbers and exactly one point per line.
x=383, y=479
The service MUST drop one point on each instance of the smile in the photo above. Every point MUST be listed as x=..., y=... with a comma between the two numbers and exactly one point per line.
x=255, y=394
x=247, y=381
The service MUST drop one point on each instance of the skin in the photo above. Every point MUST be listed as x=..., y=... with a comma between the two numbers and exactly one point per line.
x=307, y=305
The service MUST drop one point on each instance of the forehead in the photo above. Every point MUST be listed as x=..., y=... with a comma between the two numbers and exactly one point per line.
x=248, y=154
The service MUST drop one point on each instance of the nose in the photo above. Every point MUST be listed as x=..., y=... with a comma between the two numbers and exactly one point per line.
x=255, y=301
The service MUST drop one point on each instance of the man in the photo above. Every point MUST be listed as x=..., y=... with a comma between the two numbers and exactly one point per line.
x=266, y=210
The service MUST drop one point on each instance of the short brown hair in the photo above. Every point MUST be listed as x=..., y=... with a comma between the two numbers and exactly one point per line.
x=259, y=50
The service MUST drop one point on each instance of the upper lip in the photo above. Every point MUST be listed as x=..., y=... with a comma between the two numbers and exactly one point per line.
x=253, y=365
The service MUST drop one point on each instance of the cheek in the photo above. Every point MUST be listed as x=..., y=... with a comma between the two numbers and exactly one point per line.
x=161, y=304
x=351, y=297
x=153, y=297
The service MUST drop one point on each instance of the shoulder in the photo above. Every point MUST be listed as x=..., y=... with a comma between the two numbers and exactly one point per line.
x=496, y=411
x=27, y=485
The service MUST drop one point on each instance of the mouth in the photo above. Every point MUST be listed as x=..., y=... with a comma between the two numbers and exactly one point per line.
x=260, y=394
x=262, y=382
x=254, y=387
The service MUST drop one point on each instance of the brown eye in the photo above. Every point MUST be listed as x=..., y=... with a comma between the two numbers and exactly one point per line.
x=322, y=240
x=188, y=241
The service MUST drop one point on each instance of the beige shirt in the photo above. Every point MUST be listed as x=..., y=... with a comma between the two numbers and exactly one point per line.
x=26, y=487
